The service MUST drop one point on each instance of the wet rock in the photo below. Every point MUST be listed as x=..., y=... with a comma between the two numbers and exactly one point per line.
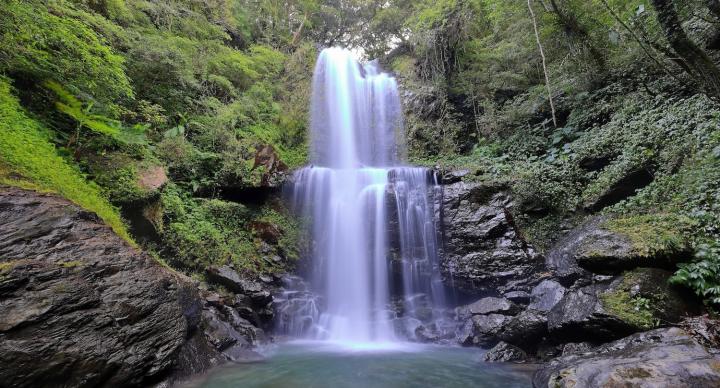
x=426, y=334
x=576, y=348
x=484, y=254
x=486, y=329
x=82, y=307
x=546, y=295
x=658, y=358
x=492, y=305
x=526, y=329
x=230, y=279
x=504, y=352
x=520, y=297
x=450, y=177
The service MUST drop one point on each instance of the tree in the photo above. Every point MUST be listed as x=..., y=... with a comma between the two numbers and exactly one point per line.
x=701, y=66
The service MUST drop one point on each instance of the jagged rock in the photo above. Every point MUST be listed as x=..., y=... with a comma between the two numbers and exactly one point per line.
x=637, y=300
x=546, y=295
x=492, y=305
x=504, y=352
x=426, y=334
x=520, y=297
x=526, y=329
x=228, y=278
x=593, y=247
x=483, y=251
x=450, y=177
x=486, y=329
x=82, y=307
x=658, y=358
x=576, y=348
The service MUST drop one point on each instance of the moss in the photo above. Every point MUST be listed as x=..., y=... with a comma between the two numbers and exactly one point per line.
x=633, y=310
x=655, y=234
x=26, y=152
x=71, y=264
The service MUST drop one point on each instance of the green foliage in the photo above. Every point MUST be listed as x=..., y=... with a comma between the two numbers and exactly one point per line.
x=635, y=310
x=39, y=45
x=203, y=232
x=30, y=157
x=703, y=275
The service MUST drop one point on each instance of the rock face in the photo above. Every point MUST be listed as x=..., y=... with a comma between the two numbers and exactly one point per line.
x=658, y=358
x=637, y=300
x=504, y=352
x=81, y=306
x=484, y=254
x=593, y=247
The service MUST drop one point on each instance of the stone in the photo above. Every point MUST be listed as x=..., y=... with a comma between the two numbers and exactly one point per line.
x=526, y=329
x=637, y=300
x=546, y=295
x=450, y=177
x=230, y=279
x=520, y=297
x=493, y=305
x=576, y=348
x=486, y=329
x=82, y=307
x=667, y=357
x=593, y=247
x=504, y=352
x=483, y=252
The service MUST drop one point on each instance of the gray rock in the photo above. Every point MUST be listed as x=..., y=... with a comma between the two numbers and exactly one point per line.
x=82, y=307
x=484, y=254
x=504, y=352
x=658, y=358
x=230, y=279
x=526, y=329
x=546, y=295
x=576, y=348
x=492, y=305
x=450, y=177
x=486, y=329
x=593, y=247
x=520, y=297
x=637, y=300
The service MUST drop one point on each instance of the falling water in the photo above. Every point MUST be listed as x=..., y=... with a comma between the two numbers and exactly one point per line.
x=372, y=219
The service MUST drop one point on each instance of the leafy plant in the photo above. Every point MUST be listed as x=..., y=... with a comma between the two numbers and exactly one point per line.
x=703, y=275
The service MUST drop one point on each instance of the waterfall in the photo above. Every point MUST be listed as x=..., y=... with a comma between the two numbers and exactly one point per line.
x=372, y=219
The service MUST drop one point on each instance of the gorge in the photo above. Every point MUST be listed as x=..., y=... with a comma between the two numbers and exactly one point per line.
x=292, y=193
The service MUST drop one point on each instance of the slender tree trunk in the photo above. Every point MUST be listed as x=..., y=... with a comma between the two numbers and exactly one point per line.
x=705, y=70
x=544, y=65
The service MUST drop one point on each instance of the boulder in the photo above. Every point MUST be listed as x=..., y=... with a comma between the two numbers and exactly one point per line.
x=486, y=329
x=520, y=297
x=504, y=352
x=546, y=295
x=483, y=252
x=83, y=307
x=492, y=305
x=526, y=329
x=637, y=300
x=230, y=279
x=666, y=357
x=594, y=246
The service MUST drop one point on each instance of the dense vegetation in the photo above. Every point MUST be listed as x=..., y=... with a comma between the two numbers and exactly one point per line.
x=215, y=92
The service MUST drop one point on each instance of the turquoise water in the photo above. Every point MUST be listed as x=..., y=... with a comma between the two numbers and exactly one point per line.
x=308, y=364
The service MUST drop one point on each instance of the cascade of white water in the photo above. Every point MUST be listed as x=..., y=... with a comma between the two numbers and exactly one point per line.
x=354, y=187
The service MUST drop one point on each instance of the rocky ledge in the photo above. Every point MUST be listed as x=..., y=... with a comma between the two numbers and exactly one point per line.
x=83, y=307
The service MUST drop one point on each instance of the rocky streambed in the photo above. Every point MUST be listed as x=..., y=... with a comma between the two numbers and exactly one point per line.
x=82, y=307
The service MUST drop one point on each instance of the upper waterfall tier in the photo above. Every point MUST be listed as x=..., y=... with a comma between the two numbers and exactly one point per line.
x=356, y=113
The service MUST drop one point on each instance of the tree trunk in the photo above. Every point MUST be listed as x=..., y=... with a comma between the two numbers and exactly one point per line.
x=706, y=72
x=542, y=55
x=574, y=30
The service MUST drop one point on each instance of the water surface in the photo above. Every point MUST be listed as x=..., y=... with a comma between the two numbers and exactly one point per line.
x=318, y=364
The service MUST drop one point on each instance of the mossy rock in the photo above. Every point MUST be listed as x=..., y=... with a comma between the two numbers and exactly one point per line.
x=609, y=246
x=126, y=180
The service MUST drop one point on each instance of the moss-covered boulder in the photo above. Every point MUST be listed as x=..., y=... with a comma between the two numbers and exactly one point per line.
x=610, y=246
x=635, y=301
